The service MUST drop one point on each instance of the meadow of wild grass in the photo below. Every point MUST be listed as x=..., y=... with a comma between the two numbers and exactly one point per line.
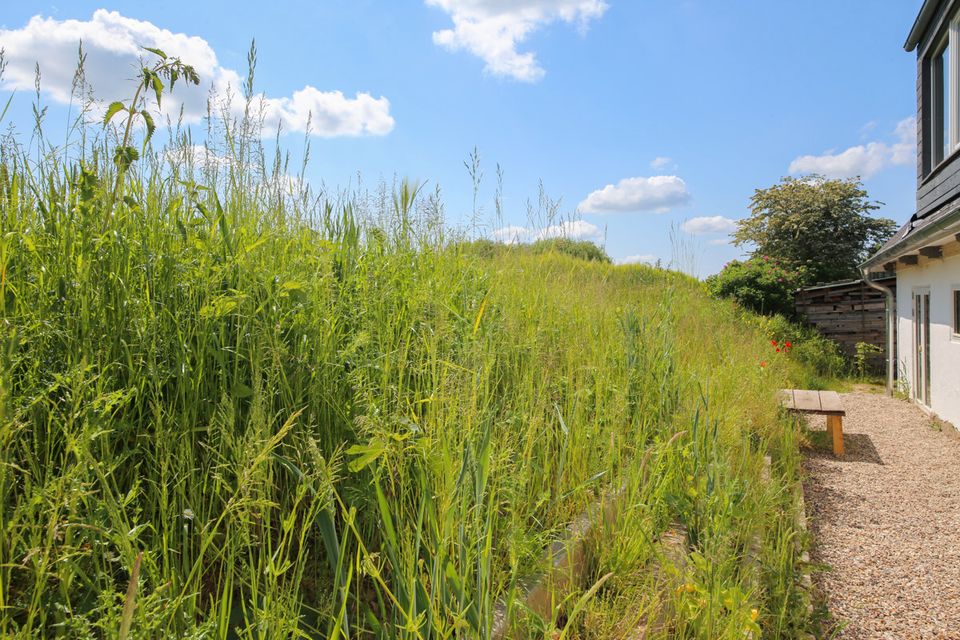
x=231, y=408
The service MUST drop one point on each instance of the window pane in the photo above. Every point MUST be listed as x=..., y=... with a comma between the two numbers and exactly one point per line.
x=956, y=311
x=944, y=99
x=940, y=105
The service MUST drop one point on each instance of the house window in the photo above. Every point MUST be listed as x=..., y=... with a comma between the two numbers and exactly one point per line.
x=940, y=103
x=943, y=90
x=956, y=312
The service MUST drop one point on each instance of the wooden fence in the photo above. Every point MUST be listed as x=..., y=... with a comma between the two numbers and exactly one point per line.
x=848, y=312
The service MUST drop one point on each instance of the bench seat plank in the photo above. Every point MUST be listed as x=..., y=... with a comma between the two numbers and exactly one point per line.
x=804, y=400
x=830, y=403
x=825, y=403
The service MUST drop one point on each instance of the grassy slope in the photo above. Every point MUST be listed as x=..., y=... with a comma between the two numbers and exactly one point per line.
x=310, y=424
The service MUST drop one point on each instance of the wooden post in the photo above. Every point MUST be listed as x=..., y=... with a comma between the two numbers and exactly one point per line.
x=835, y=429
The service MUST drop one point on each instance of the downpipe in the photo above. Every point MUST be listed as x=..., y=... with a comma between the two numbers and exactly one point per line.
x=890, y=318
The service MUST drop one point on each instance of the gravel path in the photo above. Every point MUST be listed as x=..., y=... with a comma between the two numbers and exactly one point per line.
x=886, y=519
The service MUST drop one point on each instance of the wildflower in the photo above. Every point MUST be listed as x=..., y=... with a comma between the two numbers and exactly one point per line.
x=773, y=342
x=778, y=349
x=754, y=614
x=787, y=344
x=763, y=363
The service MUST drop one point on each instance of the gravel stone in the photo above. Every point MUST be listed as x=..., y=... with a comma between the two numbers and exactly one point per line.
x=886, y=521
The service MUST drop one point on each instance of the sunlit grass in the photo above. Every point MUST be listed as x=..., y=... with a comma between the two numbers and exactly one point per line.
x=314, y=417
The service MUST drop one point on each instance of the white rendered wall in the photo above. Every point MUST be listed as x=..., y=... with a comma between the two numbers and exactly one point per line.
x=941, y=276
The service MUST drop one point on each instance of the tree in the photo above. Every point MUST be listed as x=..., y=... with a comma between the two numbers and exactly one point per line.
x=760, y=284
x=821, y=227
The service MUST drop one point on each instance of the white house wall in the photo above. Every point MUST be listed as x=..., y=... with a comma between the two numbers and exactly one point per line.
x=941, y=276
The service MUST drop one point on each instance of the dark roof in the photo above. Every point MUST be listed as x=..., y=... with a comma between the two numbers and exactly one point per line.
x=920, y=25
x=945, y=214
x=838, y=284
x=916, y=223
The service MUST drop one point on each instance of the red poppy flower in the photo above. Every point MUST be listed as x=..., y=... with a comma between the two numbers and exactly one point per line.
x=763, y=363
x=773, y=342
x=787, y=345
x=778, y=349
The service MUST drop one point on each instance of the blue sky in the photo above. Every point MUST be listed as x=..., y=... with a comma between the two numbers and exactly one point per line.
x=651, y=121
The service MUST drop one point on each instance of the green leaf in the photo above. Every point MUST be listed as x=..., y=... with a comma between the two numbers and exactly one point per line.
x=190, y=73
x=157, y=86
x=365, y=455
x=158, y=52
x=241, y=391
x=112, y=110
x=125, y=156
x=151, y=127
x=581, y=603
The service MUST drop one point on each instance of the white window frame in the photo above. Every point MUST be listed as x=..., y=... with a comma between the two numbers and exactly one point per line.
x=953, y=89
x=952, y=121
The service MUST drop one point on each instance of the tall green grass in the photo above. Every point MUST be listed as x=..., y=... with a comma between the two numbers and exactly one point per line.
x=311, y=416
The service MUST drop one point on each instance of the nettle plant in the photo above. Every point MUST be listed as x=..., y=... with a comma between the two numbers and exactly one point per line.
x=162, y=76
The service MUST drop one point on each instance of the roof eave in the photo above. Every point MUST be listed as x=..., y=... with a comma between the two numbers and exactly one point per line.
x=920, y=24
x=913, y=242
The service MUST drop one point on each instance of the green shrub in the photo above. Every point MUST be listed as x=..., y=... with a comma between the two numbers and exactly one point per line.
x=583, y=249
x=483, y=247
x=865, y=358
x=821, y=357
x=580, y=249
x=763, y=285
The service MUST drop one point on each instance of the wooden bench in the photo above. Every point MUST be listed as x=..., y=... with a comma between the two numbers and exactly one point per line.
x=824, y=403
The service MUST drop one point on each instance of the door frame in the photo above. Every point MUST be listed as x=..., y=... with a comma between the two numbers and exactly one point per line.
x=920, y=305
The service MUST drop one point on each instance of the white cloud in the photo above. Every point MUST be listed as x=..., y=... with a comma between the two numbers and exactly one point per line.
x=867, y=128
x=112, y=43
x=657, y=193
x=716, y=242
x=708, y=224
x=512, y=235
x=660, y=162
x=198, y=155
x=864, y=160
x=492, y=29
x=202, y=158
x=573, y=229
x=639, y=259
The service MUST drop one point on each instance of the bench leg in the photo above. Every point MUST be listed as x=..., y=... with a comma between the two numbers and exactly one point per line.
x=835, y=429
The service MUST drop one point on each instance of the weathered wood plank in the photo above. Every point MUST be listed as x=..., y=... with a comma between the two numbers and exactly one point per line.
x=808, y=401
x=805, y=400
x=830, y=402
x=847, y=312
